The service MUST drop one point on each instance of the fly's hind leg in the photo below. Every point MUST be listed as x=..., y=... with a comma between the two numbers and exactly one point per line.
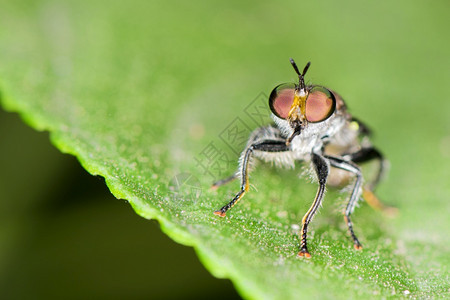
x=263, y=146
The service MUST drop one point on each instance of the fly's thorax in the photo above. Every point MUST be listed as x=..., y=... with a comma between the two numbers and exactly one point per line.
x=302, y=147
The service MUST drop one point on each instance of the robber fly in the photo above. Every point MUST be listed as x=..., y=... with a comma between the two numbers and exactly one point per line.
x=311, y=125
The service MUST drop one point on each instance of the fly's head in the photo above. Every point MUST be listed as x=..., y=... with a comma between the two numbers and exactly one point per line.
x=299, y=106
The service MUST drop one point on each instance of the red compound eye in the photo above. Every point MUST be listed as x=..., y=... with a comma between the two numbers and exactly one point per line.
x=281, y=99
x=320, y=104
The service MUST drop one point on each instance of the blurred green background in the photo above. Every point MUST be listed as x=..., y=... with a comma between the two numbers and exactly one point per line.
x=64, y=236
x=205, y=61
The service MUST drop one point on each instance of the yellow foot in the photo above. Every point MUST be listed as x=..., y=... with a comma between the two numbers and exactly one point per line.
x=220, y=213
x=304, y=253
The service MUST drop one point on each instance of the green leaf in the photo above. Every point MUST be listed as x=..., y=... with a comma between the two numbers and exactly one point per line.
x=141, y=92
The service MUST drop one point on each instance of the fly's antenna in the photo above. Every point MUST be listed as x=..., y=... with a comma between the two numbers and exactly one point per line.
x=301, y=76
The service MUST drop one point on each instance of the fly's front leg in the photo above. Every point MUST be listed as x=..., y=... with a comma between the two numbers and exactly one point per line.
x=264, y=146
x=356, y=192
x=322, y=170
